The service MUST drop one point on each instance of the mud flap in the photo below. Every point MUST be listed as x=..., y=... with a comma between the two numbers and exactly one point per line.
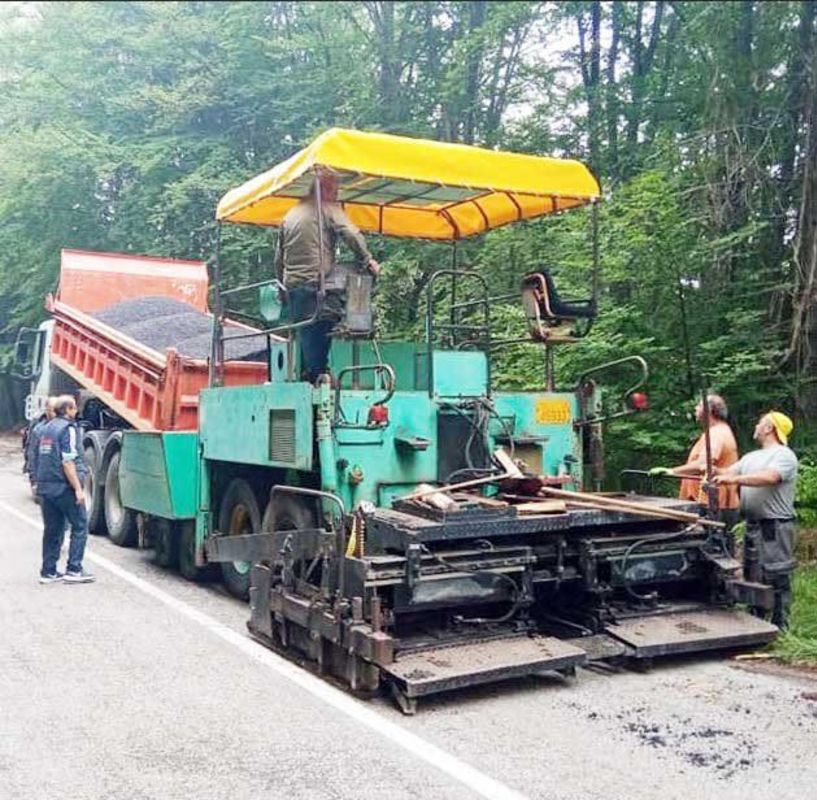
x=692, y=631
x=456, y=666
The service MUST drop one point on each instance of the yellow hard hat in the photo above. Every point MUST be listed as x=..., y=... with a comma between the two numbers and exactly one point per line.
x=782, y=425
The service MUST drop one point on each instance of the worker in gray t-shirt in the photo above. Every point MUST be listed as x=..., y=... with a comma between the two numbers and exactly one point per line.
x=767, y=479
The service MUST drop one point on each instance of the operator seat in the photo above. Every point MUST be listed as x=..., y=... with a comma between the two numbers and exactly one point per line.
x=550, y=318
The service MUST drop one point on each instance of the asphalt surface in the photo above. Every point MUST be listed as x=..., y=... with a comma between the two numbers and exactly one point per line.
x=145, y=686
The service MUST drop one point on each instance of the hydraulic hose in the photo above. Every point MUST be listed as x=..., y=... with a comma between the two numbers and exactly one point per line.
x=665, y=537
x=480, y=620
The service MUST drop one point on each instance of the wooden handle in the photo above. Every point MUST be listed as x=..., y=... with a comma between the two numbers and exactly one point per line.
x=633, y=507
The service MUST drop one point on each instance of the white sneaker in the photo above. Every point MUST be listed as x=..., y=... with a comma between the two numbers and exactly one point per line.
x=79, y=577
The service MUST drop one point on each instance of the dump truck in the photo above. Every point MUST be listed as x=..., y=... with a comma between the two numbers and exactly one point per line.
x=411, y=525
x=123, y=385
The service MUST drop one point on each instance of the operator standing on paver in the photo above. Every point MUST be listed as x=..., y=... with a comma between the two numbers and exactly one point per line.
x=724, y=451
x=60, y=473
x=767, y=479
x=298, y=261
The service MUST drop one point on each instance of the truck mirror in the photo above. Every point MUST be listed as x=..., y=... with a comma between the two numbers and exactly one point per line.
x=271, y=308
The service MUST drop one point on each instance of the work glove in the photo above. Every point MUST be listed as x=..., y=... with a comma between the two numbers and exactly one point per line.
x=657, y=472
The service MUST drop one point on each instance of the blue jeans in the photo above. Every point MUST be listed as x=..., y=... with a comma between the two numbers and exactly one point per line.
x=56, y=510
x=314, y=339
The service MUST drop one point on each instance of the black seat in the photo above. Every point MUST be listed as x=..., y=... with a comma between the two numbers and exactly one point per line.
x=563, y=309
x=549, y=316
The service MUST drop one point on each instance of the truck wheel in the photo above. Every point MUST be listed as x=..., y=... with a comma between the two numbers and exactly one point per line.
x=291, y=513
x=165, y=542
x=187, y=555
x=238, y=514
x=120, y=521
x=94, y=494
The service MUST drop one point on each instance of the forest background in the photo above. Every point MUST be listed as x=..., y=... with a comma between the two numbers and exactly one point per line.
x=122, y=123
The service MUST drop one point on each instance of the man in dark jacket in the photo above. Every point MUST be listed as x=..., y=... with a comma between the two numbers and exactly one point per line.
x=32, y=443
x=60, y=474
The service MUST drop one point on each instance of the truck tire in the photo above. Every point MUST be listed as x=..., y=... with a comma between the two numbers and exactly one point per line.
x=238, y=514
x=291, y=512
x=121, y=521
x=165, y=536
x=94, y=494
x=187, y=555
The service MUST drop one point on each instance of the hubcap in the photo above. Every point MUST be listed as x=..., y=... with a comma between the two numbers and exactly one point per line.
x=114, y=501
x=89, y=492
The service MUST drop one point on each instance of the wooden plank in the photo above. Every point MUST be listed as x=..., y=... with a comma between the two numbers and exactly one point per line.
x=542, y=507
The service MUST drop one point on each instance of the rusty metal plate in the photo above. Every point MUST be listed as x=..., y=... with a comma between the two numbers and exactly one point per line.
x=599, y=647
x=690, y=631
x=456, y=666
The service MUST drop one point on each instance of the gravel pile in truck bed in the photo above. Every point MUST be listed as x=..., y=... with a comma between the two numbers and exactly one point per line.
x=159, y=323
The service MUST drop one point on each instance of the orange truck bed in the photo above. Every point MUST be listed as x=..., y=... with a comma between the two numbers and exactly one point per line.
x=149, y=389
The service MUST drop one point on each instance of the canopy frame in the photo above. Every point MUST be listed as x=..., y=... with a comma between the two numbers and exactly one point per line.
x=414, y=188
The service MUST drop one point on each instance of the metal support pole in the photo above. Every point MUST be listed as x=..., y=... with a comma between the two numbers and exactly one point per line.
x=550, y=379
x=322, y=264
x=711, y=489
x=594, y=222
x=453, y=291
x=216, y=372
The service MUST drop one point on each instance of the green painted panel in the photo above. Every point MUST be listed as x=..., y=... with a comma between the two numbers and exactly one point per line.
x=269, y=425
x=456, y=373
x=400, y=356
x=543, y=421
x=376, y=463
x=158, y=473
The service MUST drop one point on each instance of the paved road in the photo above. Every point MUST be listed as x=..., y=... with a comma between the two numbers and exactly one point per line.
x=143, y=686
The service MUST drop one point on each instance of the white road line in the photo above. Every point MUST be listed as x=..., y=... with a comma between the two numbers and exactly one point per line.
x=469, y=776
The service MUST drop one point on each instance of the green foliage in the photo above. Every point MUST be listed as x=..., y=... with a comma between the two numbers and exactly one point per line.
x=799, y=642
x=121, y=125
x=806, y=497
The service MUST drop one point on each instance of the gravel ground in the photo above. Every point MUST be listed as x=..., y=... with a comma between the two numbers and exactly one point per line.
x=159, y=323
x=107, y=693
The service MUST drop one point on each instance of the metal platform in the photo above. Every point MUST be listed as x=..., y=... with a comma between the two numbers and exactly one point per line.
x=457, y=666
x=690, y=631
x=395, y=528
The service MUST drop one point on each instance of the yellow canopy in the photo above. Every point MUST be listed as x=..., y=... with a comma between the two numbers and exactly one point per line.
x=406, y=187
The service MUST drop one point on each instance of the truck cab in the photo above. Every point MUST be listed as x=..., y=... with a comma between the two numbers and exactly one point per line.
x=33, y=364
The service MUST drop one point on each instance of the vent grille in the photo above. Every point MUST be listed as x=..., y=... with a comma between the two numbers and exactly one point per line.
x=282, y=435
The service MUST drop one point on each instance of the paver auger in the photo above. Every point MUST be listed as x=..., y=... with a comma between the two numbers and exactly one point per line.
x=357, y=564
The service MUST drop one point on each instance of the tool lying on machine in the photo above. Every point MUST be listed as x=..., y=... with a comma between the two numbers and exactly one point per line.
x=511, y=471
x=584, y=499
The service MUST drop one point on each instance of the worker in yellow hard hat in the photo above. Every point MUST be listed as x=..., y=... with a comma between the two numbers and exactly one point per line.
x=767, y=479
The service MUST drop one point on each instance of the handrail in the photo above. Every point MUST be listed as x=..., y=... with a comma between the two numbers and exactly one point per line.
x=625, y=412
x=340, y=533
x=485, y=302
x=376, y=368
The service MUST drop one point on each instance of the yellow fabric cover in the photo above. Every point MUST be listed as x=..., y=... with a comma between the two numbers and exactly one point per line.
x=458, y=190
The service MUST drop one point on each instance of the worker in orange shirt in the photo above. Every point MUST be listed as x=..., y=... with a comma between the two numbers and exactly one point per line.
x=724, y=455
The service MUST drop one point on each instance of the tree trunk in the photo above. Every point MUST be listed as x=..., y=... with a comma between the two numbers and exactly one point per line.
x=612, y=91
x=476, y=19
x=591, y=71
x=797, y=80
x=642, y=59
x=803, y=343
